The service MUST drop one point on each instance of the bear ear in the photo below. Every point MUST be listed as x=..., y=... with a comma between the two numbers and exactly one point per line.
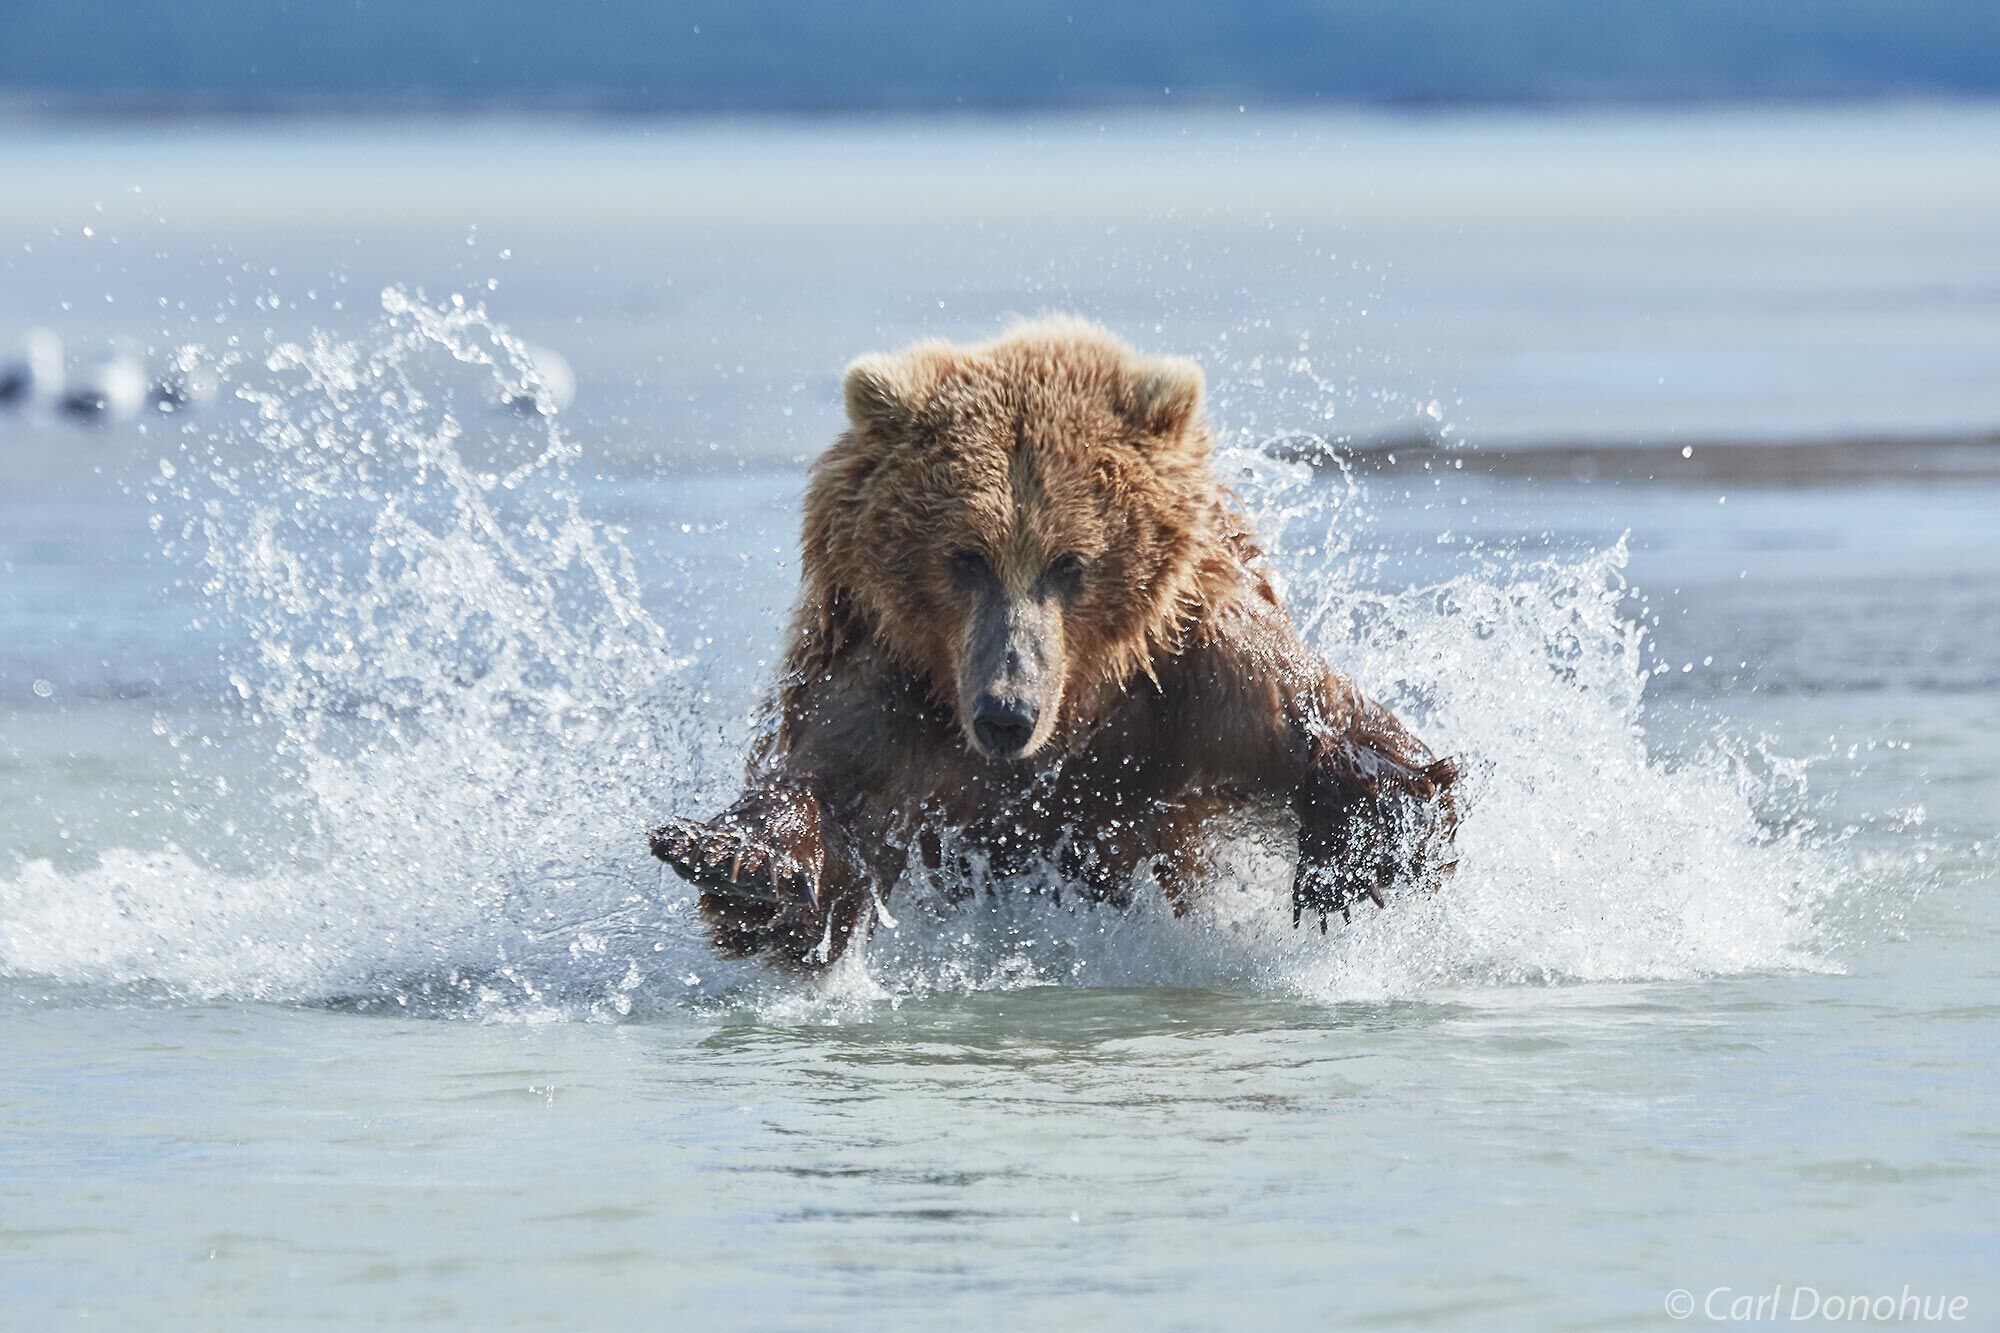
x=887, y=389
x=1166, y=395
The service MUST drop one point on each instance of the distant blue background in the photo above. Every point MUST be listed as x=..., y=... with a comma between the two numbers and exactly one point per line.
x=817, y=54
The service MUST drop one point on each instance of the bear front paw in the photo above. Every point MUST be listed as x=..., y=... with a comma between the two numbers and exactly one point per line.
x=1368, y=822
x=727, y=861
x=1326, y=889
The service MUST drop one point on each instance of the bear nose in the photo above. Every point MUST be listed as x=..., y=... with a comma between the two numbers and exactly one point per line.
x=1002, y=728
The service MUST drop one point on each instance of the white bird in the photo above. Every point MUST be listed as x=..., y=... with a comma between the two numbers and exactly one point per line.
x=546, y=389
x=115, y=389
x=37, y=377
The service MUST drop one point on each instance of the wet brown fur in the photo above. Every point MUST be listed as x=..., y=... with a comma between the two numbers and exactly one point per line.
x=1186, y=693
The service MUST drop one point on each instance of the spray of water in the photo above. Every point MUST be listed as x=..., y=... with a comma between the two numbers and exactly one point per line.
x=471, y=714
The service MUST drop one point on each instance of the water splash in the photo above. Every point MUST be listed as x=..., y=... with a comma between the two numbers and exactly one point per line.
x=469, y=714
x=457, y=681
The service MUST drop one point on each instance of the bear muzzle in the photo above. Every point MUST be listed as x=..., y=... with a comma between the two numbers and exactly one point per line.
x=1003, y=728
x=1010, y=674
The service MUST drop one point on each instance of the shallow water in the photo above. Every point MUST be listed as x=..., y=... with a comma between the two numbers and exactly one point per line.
x=1185, y=1158
x=336, y=985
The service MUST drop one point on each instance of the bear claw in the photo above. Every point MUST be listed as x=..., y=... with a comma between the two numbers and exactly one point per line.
x=1318, y=890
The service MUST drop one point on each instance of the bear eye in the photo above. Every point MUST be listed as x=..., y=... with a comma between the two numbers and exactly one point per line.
x=1065, y=574
x=968, y=568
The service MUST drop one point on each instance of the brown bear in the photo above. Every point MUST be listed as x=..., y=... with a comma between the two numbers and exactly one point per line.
x=1034, y=625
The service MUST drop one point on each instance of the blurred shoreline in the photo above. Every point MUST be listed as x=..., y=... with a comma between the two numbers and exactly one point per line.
x=1824, y=461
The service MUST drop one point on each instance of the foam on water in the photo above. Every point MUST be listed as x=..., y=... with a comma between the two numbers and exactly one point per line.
x=471, y=715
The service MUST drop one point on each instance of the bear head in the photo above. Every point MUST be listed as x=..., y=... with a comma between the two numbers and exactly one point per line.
x=1025, y=525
